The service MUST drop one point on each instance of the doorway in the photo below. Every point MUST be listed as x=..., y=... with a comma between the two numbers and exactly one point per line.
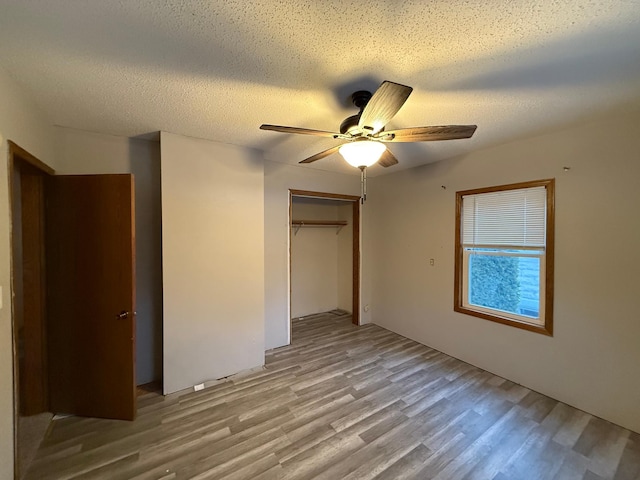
x=27, y=177
x=73, y=313
x=325, y=233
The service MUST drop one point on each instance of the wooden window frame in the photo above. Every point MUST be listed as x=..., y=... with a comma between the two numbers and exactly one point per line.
x=547, y=327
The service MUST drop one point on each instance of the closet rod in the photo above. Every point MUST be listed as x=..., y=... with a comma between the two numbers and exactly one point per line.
x=318, y=223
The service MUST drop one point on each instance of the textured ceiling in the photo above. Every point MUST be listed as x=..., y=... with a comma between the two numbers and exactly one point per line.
x=218, y=69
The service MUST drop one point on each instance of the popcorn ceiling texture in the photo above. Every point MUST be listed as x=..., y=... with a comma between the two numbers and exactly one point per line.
x=218, y=69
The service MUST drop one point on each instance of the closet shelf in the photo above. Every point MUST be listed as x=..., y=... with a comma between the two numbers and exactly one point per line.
x=298, y=224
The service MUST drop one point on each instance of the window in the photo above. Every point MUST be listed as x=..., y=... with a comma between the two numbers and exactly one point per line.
x=504, y=254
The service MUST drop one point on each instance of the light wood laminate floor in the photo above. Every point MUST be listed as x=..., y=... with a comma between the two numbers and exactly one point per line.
x=346, y=402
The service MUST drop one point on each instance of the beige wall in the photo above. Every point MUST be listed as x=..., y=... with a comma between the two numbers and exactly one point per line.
x=213, y=260
x=79, y=152
x=279, y=178
x=23, y=123
x=592, y=360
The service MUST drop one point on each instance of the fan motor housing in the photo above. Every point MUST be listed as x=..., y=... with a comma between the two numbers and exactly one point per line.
x=350, y=124
x=360, y=100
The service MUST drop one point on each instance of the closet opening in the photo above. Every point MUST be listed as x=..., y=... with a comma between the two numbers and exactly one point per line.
x=324, y=254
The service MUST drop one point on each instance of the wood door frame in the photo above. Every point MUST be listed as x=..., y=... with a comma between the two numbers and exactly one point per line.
x=355, y=202
x=20, y=161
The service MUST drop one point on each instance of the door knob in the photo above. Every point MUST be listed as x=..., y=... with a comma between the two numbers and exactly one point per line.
x=123, y=315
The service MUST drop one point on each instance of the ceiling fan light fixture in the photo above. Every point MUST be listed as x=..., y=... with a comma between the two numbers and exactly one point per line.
x=365, y=131
x=362, y=153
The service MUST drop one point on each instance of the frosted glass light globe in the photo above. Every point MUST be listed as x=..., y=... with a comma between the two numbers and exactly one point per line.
x=362, y=153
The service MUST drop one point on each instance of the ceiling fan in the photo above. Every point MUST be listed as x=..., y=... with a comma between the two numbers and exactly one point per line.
x=364, y=132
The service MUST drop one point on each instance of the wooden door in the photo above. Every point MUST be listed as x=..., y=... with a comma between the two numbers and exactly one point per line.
x=91, y=295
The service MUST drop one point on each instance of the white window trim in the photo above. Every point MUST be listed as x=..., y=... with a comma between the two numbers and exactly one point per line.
x=466, y=251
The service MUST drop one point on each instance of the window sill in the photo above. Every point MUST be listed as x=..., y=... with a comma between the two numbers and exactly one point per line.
x=541, y=329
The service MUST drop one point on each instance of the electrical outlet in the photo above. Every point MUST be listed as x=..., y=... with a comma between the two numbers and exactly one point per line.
x=432, y=261
x=366, y=308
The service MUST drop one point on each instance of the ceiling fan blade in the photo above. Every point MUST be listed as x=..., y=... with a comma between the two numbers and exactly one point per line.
x=427, y=134
x=321, y=155
x=387, y=159
x=384, y=104
x=303, y=131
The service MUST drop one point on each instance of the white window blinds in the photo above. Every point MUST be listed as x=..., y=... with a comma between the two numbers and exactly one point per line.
x=507, y=217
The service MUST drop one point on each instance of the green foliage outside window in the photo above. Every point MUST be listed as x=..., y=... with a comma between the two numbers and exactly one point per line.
x=494, y=282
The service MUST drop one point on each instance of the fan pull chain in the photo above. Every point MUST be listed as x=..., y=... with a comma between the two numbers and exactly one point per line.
x=363, y=184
